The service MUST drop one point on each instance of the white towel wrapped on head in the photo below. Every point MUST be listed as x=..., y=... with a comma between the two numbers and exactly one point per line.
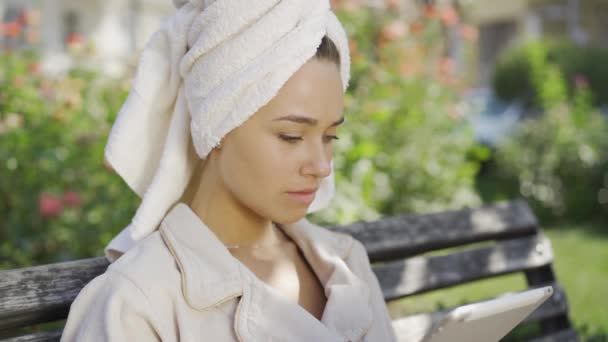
x=203, y=73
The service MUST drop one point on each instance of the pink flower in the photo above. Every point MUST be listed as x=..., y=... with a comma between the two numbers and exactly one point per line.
x=449, y=16
x=469, y=32
x=49, y=205
x=347, y=5
x=446, y=66
x=71, y=199
x=392, y=31
x=393, y=5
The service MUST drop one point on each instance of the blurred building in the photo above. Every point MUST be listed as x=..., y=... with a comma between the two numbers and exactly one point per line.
x=502, y=23
x=118, y=29
x=114, y=29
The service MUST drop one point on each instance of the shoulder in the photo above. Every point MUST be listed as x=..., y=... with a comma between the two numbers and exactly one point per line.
x=136, y=274
x=111, y=305
x=124, y=301
x=148, y=265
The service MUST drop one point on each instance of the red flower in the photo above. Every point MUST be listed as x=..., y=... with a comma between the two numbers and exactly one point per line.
x=430, y=11
x=11, y=29
x=34, y=68
x=74, y=39
x=22, y=19
x=49, y=205
x=71, y=199
x=416, y=27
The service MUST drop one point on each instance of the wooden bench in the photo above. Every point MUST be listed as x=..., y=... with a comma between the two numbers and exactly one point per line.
x=398, y=247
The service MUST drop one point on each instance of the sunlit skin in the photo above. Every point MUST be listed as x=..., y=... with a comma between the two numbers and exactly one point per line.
x=242, y=187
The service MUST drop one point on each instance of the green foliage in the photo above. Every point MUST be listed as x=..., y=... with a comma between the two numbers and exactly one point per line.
x=513, y=77
x=404, y=146
x=57, y=200
x=559, y=161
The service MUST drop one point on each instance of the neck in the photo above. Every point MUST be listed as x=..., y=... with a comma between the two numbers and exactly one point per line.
x=229, y=219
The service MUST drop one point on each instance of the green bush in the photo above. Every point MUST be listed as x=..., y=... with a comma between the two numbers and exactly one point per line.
x=513, y=74
x=404, y=146
x=559, y=161
x=57, y=200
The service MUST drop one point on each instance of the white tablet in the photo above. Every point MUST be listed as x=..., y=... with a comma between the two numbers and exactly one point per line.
x=487, y=321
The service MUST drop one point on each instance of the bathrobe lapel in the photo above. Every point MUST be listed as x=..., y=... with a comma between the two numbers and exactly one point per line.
x=211, y=276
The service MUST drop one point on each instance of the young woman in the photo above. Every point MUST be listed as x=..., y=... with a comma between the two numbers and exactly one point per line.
x=234, y=258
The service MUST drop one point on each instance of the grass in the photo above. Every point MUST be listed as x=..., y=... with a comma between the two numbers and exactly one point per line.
x=581, y=266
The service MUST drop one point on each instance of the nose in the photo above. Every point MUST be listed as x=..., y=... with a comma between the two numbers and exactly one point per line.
x=319, y=165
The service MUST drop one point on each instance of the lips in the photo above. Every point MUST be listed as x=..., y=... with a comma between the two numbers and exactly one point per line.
x=304, y=191
x=305, y=196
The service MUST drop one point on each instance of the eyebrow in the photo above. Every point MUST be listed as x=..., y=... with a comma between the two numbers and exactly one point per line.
x=306, y=120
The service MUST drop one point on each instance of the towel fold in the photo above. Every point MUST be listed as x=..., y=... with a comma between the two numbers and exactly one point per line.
x=203, y=73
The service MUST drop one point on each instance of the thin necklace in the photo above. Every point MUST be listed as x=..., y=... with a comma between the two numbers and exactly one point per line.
x=255, y=246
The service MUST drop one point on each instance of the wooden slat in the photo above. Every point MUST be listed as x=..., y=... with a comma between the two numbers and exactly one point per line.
x=44, y=293
x=51, y=336
x=395, y=237
x=414, y=327
x=425, y=273
x=568, y=335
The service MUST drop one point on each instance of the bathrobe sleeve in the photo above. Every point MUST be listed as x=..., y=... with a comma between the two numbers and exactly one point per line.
x=381, y=329
x=110, y=308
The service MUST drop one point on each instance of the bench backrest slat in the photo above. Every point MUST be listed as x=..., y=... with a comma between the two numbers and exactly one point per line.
x=401, y=236
x=46, y=336
x=44, y=293
x=425, y=273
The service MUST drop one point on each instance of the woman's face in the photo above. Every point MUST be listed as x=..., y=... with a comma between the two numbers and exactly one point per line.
x=287, y=145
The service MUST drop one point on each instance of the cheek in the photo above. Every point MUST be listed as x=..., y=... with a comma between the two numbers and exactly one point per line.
x=256, y=167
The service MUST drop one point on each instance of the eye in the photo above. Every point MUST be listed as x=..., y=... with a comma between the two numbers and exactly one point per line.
x=292, y=139
x=289, y=139
x=331, y=137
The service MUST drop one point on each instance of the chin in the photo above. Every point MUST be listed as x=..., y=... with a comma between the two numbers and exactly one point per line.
x=290, y=217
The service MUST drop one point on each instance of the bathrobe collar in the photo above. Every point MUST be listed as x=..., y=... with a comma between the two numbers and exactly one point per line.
x=211, y=276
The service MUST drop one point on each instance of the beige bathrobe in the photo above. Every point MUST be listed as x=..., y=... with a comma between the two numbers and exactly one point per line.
x=181, y=284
